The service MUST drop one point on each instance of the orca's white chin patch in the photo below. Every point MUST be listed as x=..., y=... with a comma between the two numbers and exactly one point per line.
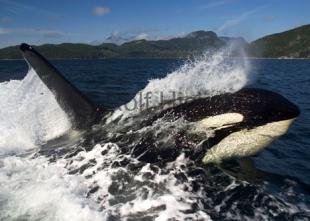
x=246, y=143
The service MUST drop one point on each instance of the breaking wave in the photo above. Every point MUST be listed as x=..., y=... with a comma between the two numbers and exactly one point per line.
x=29, y=114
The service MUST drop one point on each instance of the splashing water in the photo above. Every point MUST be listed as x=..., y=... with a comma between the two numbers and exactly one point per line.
x=211, y=74
x=29, y=114
x=39, y=190
x=102, y=183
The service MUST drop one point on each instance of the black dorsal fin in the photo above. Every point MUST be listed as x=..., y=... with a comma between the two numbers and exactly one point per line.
x=81, y=111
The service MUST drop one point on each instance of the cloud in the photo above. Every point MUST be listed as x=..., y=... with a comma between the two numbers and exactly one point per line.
x=237, y=20
x=14, y=7
x=270, y=18
x=134, y=35
x=122, y=37
x=116, y=38
x=34, y=32
x=168, y=37
x=141, y=36
x=214, y=4
x=5, y=21
x=3, y=31
x=52, y=34
x=101, y=11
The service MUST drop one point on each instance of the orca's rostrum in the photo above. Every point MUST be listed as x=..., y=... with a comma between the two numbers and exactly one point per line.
x=243, y=123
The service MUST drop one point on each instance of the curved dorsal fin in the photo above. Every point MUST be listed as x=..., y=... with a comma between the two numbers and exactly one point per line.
x=81, y=111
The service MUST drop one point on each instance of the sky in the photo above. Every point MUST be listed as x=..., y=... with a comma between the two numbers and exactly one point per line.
x=93, y=21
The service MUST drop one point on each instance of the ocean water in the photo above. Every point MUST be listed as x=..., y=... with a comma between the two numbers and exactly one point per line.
x=101, y=178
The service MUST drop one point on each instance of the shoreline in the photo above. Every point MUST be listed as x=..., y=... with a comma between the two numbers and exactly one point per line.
x=251, y=58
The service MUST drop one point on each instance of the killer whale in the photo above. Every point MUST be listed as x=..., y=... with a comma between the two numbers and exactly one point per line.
x=243, y=123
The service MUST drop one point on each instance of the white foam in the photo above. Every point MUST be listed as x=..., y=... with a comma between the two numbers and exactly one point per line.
x=176, y=199
x=212, y=73
x=174, y=196
x=29, y=114
x=34, y=189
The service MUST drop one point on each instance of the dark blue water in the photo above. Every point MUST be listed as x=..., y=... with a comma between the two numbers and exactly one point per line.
x=112, y=83
x=290, y=155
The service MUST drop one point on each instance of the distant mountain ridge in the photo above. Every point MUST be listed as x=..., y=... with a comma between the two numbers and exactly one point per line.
x=294, y=43
x=193, y=43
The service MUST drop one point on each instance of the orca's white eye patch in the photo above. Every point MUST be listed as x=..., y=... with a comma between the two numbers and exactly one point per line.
x=220, y=121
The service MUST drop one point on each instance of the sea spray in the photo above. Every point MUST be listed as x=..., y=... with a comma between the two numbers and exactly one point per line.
x=29, y=114
x=207, y=75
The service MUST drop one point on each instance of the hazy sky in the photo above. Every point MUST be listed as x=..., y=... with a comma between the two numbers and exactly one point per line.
x=55, y=21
